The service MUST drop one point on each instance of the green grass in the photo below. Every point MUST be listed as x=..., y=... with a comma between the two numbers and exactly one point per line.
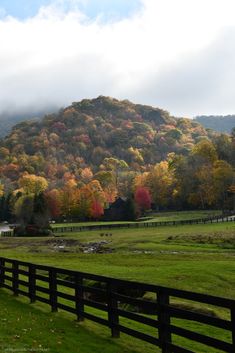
x=164, y=255
x=27, y=325
x=192, y=257
x=32, y=328
x=182, y=215
x=151, y=217
x=94, y=223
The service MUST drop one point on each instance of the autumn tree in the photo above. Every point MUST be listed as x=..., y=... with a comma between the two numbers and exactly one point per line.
x=32, y=184
x=223, y=177
x=105, y=178
x=116, y=166
x=107, y=182
x=200, y=175
x=204, y=195
x=140, y=180
x=53, y=198
x=68, y=198
x=204, y=152
x=96, y=210
x=86, y=175
x=82, y=210
x=142, y=199
x=224, y=147
x=126, y=183
x=160, y=181
x=184, y=181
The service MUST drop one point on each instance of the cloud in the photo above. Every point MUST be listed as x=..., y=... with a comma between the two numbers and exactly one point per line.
x=202, y=83
x=178, y=55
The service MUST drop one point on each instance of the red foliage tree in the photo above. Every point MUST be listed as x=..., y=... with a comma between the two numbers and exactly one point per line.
x=142, y=199
x=96, y=210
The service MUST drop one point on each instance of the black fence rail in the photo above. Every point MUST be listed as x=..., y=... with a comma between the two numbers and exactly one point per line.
x=77, y=228
x=119, y=305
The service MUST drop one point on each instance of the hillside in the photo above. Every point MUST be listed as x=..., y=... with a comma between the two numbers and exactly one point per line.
x=217, y=123
x=87, y=132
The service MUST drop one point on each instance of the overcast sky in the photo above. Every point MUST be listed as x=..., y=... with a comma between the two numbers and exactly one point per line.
x=178, y=55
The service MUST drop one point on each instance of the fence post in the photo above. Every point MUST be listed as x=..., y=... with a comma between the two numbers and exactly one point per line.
x=112, y=310
x=164, y=320
x=32, y=283
x=79, y=296
x=53, y=289
x=2, y=273
x=15, y=277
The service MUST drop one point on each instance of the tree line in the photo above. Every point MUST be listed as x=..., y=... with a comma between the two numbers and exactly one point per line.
x=202, y=179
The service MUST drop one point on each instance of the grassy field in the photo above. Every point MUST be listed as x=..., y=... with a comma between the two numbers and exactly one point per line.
x=31, y=328
x=153, y=217
x=192, y=257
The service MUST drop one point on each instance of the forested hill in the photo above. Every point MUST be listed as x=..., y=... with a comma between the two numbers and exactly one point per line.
x=217, y=122
x=85, y=133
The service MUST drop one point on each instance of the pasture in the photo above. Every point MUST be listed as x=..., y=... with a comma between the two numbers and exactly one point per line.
x=192, y=257
x=199, y=258
x=151, y=217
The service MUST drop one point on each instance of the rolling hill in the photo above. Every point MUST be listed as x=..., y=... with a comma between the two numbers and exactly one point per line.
x=85, y=133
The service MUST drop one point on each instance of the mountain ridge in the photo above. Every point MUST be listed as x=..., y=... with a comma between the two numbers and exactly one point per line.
x=220, y=123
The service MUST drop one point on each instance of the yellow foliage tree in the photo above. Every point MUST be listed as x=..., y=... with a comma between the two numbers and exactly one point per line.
x=32, y=184
x=140, y=180
x=205, y=151
x=68, y=197
x=160, y=181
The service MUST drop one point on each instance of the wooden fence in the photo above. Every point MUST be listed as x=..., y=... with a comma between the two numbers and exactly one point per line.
x=77, y=228
x=104, y=300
